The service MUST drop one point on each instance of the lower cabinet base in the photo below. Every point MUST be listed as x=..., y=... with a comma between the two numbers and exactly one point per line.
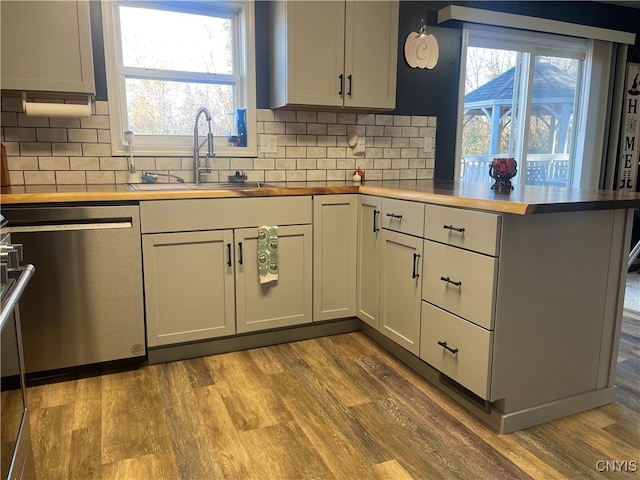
x=251, y=340
x=500, y=421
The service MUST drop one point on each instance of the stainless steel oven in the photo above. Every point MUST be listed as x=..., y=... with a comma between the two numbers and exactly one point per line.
x=16, y=457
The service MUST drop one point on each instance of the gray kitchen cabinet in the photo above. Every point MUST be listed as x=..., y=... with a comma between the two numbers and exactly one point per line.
x=334, y=53
x=189, y=286
x=390, y=268
x=334, y=257
x=201, y=273
x=368, y=268
x=400, y=288
x=46, y=46
x=521, y=310
x=280, y=303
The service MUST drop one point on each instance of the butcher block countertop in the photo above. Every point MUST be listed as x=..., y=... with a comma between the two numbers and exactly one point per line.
x=521, y=201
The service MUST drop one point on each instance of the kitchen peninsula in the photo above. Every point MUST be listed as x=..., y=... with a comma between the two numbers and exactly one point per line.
x=510, y=303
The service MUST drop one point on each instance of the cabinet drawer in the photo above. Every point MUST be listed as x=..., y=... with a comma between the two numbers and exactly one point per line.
x=159, y=216
x=460, y=281
x=478, y=231
x=470, y=365
x=402, y=216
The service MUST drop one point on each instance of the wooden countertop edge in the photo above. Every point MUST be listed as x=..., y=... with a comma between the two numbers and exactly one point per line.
x=439, y=196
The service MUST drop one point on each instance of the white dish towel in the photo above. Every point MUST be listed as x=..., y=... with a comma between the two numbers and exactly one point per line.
x=268, y=253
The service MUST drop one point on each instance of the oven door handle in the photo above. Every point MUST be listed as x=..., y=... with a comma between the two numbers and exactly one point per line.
x=13, y=296
x=70, y=227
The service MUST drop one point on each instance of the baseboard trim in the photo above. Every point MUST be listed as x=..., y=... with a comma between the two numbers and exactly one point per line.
x=245, y=341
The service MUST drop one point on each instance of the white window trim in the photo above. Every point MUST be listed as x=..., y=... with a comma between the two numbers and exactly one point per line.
x=180, y=146
x=591, y=129
x=536, y=24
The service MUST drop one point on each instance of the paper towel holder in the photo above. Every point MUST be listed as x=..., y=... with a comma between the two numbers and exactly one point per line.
x=68, y=110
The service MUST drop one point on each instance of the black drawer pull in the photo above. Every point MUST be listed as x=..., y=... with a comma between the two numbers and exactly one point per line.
x=349, y=77
x=452, y=350
x=394, y=215
x=452, y=282
x=240, y=249
x=341, y=77
x=375, y=220
x=455, y=229
x=415, y=273
x=229, y=254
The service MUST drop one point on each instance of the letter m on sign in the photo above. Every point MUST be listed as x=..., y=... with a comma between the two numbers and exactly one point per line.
x=627, y=161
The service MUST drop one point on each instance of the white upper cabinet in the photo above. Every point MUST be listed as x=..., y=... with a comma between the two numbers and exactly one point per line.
x=334, y=54
x=46, y=46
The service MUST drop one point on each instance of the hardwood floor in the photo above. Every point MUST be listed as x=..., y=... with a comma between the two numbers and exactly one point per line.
x=334, y=407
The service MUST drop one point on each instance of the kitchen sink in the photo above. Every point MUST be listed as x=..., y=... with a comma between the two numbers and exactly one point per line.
x=196, y=186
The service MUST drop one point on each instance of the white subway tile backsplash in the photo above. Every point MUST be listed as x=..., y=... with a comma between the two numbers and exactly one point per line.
x=51, y=134
x=35, y=148
x=96, y=149
x=84, y=163
x=60, y=122
x=9, y=119
x=22, y=163
x=311, y=146
x=53, y=163
x=327, y=117
x=71, y=177
x=80, y=135
x=40, y=177
x=68, y=149
x=100, y=177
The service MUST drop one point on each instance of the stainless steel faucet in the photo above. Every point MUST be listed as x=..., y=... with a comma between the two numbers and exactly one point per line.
x=198, y=169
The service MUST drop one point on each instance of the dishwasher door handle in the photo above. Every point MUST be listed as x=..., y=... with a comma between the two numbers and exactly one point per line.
x=70, y=227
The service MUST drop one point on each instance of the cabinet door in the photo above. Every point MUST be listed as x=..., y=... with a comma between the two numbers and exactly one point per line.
x=307, y=52
x=188, y=279
x=400, y=288
x=368, y=268
x=334, y=258
x=46, y=46
x=282, y=302
x=371, y=51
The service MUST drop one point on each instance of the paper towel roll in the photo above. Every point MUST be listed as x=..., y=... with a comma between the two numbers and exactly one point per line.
x=67, y=110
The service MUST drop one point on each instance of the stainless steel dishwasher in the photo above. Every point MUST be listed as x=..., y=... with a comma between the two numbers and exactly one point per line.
x=85, y=306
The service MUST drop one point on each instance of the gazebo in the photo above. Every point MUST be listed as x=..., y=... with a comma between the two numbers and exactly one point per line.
x=552, y=102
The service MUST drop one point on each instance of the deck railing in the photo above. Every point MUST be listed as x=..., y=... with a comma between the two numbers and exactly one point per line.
x=541, y=169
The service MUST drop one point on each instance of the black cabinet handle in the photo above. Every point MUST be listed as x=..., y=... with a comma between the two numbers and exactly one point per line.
x=240, y=249
x=349, y=78
x=415, y=273
x=375, y=220
x=452, y=282
x=452, y=350
x=394, y=215
x=229, y=254
x=455, y=229
x=341, y=77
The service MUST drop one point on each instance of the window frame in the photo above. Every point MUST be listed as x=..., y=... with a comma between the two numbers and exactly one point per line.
x=590, y=104
x=181, y=145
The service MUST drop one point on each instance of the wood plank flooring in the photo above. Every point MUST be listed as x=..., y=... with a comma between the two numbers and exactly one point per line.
x=337, y=407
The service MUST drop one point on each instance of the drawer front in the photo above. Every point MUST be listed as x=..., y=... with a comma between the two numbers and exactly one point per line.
x=466, y=358
x=402, y=216
x=478, y=231
x=159, y=216
x=460, y=281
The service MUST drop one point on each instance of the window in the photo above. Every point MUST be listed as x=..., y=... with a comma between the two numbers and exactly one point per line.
x=526, y=95
x=166, y=59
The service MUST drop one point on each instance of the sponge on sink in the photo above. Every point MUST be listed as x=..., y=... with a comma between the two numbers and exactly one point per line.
x=149, y=178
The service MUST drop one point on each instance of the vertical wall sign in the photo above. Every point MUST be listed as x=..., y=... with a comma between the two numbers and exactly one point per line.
x=630, y=140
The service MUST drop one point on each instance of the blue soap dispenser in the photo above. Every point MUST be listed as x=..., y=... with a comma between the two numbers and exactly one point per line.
x=242, y=127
